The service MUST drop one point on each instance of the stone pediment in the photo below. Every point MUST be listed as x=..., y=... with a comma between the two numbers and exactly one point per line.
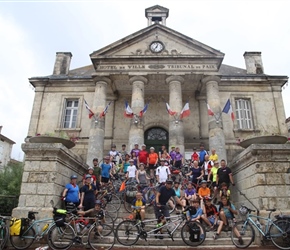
x=136, y=52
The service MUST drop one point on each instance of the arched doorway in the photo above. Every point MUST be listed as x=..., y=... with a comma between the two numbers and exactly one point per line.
x=155, y=137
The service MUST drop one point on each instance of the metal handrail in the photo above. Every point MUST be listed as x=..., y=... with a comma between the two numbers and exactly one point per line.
x=258, y=211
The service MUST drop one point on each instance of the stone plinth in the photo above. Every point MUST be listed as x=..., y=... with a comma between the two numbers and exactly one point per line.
x=262, y=173
x=47, y=169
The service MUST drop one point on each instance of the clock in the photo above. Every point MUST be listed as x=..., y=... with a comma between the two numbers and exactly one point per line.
x=156, y=46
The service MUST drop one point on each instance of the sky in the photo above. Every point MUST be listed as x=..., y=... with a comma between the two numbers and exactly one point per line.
x=33, y=31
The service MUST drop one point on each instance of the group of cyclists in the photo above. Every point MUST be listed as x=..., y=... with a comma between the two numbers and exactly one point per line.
x=196, y=185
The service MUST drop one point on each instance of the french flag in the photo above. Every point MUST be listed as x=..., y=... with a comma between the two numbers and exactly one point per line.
x=209, y=111
x=229, y=110
x=185, y=111
x=91, y=113
x=170, y=112
x=105, y=111
x=128, y=111
x=143, y=111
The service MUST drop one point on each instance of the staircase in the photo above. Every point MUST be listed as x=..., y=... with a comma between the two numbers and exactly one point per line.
x=224, y=239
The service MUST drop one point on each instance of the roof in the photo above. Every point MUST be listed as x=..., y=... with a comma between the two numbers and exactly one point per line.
x=6, y=139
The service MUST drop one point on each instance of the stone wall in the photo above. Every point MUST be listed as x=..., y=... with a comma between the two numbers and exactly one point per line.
x=262, y=173
x=47, y=169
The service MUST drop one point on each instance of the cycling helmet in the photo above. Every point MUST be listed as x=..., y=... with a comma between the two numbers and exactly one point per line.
x=73, y=177
x=98, y=202
x=203, y=181
x=88, y=176
x=90, y=168
x=243, y=210
x=207, y=198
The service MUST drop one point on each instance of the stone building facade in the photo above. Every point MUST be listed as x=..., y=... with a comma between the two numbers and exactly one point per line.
x=6, y=145
x=158, y=65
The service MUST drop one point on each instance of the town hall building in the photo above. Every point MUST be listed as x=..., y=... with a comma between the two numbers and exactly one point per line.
x=148, y=69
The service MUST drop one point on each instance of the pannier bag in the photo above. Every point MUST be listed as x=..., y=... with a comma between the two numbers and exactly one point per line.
x=194, y=231
x=59, y=217
x=18, y=226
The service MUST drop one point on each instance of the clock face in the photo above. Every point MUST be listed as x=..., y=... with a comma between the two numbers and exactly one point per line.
x=156, y=46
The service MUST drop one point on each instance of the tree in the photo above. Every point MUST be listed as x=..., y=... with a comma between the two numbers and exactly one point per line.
x=11, y=178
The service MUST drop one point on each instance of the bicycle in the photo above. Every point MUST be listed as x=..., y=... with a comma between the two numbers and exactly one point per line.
x=128, y=232
x=32, y=231
x=107, y=197
x=4, y=232
x=77, y=229
x=277, y=231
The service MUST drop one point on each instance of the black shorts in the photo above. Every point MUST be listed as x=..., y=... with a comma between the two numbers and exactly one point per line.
x=178, y=164
x=152, y=166
x=161, y=211
x=105, y=179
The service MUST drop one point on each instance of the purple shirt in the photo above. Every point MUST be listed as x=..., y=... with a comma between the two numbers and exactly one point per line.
x=172, y=154
x=190, y=192
x=178, y=157
x=136, y=150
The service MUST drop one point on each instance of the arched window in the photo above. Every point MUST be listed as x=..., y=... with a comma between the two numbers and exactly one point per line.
x=155, y=137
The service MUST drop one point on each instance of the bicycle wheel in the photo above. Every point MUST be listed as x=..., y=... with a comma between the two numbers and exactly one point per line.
x=280, y=234
x=101, y=238
x=127, y=233
x=61, y=237
x=112, y=211
x=109, y=219
x=115, y=200
x=171, y=204
x=193, y=233
x=25, y=240
x=242, y=234
x=4, y=235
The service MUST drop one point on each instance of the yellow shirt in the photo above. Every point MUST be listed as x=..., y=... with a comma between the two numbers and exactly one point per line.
x=214, y=173
x=213, y=157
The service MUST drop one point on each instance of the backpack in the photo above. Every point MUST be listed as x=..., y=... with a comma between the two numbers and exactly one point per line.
x=18, y=226
x=194, y=232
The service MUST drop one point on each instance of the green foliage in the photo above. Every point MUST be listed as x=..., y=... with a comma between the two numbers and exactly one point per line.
x=11, y=178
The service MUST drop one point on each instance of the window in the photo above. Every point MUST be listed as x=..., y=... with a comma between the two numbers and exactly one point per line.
x=156, y=134
x=70, y=113
x=244, y=114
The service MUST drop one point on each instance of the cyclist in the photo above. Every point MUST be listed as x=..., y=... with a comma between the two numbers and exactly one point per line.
x=211, y=217
x=138, y=206
x=162, y=197
x=71, y=192
x=203, y=190
x=194, y=212
x=212, y=175
x=97, y=212
x=88, y=193
x=189, y=194
x=162, y=172
x=227, y=211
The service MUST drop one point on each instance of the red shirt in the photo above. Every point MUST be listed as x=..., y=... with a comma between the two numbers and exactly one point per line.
x=143, y=154
x=194, y=156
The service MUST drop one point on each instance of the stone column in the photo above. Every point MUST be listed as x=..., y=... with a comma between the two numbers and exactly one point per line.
x=203, y=120
x=176, y=135
x=136, y=133
x=215, y=128
x=97, y=131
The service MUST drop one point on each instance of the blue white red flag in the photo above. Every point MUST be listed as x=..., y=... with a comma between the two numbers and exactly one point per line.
x=209, y=111
x=143, y=111
x=128, y=111
x=229, y=110
x=105, y=111
x=170, y=112
x=185, y=111
x=91, y=113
